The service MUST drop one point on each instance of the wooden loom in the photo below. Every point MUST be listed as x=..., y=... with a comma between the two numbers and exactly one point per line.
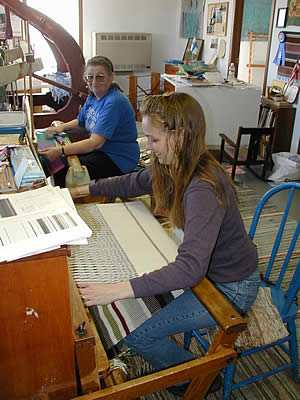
x=48, y=335
x=50, y=349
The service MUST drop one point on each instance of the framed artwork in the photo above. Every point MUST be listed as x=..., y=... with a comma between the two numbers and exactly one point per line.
x=281, y=17
x=293, y=15
x=217, y=14
x=188, y=55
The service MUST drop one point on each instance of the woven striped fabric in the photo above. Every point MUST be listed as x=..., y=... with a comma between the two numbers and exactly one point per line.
x=292, y=52
x=104, y=259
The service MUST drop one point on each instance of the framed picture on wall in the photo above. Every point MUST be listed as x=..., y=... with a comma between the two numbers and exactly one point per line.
x=217, y=14
x=293, y=15
x=281, y=17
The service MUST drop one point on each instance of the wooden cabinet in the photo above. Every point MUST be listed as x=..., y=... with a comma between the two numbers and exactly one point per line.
x=170, y=69
x=281, y=115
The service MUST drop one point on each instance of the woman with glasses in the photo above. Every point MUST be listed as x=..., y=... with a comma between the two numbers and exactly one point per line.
x=111, y=148
x=191, y=187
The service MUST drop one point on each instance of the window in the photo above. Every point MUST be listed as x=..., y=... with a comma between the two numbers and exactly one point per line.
x=56, y=10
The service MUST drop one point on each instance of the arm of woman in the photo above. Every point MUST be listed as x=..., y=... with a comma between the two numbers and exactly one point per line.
x=62, y=127
x=83, y=146
x=94, y=142
x=203, y=219
x=129, y=185
x=98, y=293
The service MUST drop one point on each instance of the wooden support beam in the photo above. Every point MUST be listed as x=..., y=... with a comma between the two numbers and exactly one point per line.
x=12, y=72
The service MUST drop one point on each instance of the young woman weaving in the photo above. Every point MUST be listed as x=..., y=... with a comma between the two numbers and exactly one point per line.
x=190, y=185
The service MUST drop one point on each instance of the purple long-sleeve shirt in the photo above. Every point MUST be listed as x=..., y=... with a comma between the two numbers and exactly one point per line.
x=215, y=242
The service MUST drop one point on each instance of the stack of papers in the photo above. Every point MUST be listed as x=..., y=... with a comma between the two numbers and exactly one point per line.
x=39, y=220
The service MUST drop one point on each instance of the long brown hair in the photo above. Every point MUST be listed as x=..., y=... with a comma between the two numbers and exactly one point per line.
x=182, y=117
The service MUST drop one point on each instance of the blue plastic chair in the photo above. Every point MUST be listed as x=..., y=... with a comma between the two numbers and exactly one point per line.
x=285, y=301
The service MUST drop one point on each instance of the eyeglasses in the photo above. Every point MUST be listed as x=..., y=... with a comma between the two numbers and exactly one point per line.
x=98, y=78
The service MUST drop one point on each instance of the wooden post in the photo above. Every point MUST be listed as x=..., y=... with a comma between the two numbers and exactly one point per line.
x=155, y=82
x=30, y=60
x=132, y=92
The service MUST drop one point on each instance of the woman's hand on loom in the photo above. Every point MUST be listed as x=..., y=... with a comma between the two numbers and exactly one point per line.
x=51, y=153
x=99, y=293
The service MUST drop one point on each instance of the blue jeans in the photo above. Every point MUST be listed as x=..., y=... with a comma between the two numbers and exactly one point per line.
x=184, y=314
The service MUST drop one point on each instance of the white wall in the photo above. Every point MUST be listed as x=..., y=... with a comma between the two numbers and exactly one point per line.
x=159, y=17
x=259, y=52
x=162, y=19
x=272, y=71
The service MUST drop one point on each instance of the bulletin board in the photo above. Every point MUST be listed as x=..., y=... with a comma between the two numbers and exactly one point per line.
x=217, y=15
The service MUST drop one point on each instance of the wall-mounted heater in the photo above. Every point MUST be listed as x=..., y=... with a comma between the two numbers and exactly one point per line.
x=127, y=51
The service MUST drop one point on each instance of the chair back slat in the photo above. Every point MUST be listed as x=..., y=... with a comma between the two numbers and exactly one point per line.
x=292, y=290
x=292, y=186
x=257, y=152
x=278, y=240
x=288, y=255
x=254, y=147
x=255, y=142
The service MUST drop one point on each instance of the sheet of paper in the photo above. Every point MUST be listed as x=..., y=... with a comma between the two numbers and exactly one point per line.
x=35, y=221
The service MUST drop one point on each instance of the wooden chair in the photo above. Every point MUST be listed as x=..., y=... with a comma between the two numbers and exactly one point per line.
x=136, y=92
x=202, y=371
x=257, y=152
x=274, y=306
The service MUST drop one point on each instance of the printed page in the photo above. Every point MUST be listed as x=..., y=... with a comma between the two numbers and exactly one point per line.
x=36, y=221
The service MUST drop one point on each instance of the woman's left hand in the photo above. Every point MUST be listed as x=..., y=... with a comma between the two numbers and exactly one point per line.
x=99, y=293
x=51, y=153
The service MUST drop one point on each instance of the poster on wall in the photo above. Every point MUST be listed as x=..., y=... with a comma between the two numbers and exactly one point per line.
x=191, y=22
x=293, y=15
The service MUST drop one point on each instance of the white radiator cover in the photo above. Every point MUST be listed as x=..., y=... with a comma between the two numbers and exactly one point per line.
x=127, y=51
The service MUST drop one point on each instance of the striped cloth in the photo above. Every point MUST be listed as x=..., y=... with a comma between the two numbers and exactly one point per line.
x=104, y=259
x=292, y=53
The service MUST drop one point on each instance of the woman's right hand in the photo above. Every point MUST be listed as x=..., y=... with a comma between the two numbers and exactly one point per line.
x=79, y=191
x=99, y=293
x=54, y=129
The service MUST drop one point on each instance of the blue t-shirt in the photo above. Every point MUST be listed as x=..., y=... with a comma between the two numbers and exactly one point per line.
x=112, y=116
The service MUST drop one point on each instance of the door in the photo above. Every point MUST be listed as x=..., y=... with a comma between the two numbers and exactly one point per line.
x=235, y=51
